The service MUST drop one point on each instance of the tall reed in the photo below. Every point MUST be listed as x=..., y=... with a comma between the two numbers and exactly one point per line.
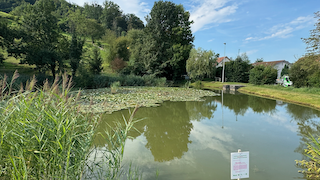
x=44, y=136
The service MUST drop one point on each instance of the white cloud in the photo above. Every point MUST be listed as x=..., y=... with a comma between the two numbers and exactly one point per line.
x=210, y=40
x=137, y=7
x=210, y=11
x=285, y=30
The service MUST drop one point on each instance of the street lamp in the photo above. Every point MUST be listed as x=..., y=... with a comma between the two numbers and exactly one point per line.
x=225, y=44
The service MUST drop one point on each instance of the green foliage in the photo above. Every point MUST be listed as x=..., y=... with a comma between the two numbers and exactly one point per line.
x=238, y=70
x=198, y=85
x=76, y=49
x=95, y=61
x=306, y=71
x=43, y=136
x=313, y=42
x=93, y=11
x=260, y=75
x=9, y=5
x=167, y=44
x=312, y=165
x=201, y=64
x=259, y=60
x=134, y=22
x=114, y=86
x=110, y=12
x=285, y=70
x=120, y=49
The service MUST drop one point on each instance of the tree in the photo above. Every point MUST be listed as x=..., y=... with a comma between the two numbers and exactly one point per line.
x=168, y=27
x=134, y=22
x=285, y=70
x=306, y=71
x=313, y=42
x=201, y=64
x=259, y=60
x=95, y=61
x=120, y=49
x=40, y=45
x=261, y=74
x=110, y=12
x=238, y=70
x=75, y=53
x=93, y=11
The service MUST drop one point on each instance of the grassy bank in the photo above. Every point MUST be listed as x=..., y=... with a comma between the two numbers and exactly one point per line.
x=303, y=96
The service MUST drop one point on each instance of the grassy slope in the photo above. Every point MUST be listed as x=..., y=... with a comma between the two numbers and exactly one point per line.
x=303, y=96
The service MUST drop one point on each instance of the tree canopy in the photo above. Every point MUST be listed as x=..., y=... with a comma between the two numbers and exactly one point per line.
x=313, y=42
x=201, y=64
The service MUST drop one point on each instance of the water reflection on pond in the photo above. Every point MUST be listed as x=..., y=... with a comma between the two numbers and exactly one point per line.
x=193, y=140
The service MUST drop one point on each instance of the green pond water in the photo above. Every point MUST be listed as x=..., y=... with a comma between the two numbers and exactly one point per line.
x=193, y=140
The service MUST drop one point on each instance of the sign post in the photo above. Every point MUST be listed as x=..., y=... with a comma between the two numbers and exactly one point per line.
x=239, y=165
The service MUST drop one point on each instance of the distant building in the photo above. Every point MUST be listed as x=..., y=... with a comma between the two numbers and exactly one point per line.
x=279, y=65
x=220, y=61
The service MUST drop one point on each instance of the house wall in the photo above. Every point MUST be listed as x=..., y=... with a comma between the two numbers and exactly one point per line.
x=280, y=66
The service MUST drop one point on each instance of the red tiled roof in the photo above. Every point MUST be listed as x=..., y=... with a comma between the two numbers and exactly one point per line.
x=221, y=58
x=270, y=63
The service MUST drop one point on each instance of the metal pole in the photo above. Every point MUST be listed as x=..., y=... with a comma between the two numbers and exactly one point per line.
x=223, y=62
x=239, y=150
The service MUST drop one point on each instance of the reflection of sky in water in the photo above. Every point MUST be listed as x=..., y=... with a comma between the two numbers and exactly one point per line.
x=270, y=137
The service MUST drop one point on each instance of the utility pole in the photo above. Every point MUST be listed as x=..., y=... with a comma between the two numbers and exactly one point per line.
x=223, y=62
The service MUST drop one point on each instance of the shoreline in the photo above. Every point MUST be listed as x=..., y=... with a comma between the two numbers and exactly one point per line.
x=311, y=100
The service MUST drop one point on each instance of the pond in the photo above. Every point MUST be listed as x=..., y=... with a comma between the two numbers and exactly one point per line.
x=193, y=140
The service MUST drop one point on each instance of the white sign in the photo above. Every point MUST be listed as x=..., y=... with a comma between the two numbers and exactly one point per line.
x=239, y=165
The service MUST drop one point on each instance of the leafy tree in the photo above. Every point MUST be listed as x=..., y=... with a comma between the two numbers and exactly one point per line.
x=84, y=26
x=93, y=11
x=313, y=42
x=110, y=12
x=134, y=22
x=306, y=71
x=40, y=45
x=285, y=70
x=9, y=5
x=75, y=53
x=259, y=60
x=201, y=64
x=260, y=75
x=95, y=61
x=238, y=70
x=168, y=28
x=120, y=49
x=118, y=64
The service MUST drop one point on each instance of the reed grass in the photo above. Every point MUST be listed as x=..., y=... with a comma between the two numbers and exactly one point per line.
x=44, y=136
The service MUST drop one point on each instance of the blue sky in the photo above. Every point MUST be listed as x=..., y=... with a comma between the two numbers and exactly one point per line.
x=268, y=29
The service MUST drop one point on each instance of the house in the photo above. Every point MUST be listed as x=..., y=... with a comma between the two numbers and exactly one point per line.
x=279, y=65
x=220, y=61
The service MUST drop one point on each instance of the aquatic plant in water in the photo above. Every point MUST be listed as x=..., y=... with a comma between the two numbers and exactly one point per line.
x=43, y=135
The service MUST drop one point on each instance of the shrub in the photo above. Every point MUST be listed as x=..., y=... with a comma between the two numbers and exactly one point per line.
x=260, y=75
x=305, y=72
x=118, y=64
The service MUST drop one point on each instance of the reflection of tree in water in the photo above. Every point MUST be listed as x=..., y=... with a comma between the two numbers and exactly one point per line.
x=201, y=109
x=307, y=124
x=262, y=105
x=167, y=130
x=108, y=121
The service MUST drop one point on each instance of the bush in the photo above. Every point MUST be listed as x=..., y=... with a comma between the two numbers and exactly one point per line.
x=306, y=71
x=118, y=64
x=260, y=75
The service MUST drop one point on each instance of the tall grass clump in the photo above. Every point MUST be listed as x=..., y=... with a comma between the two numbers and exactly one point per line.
x=44, y=136
x=313, y=163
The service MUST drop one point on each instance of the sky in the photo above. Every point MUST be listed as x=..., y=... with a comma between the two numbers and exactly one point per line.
x=268, y=29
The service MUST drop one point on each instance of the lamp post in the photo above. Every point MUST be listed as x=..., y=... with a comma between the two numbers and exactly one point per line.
x=223, y=61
